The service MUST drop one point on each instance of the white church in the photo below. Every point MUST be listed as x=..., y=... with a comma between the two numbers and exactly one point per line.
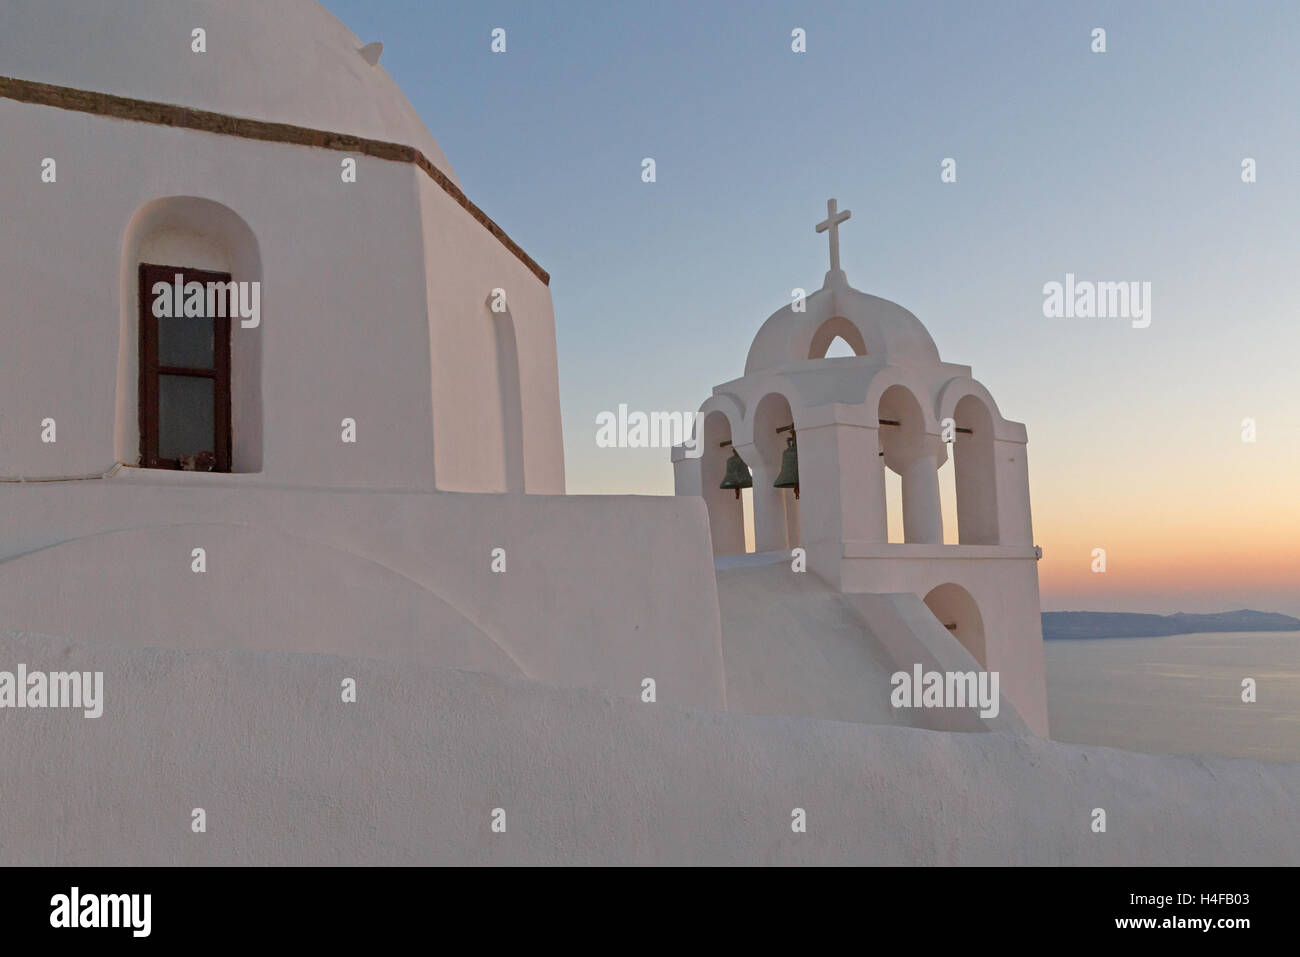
x=357, y=475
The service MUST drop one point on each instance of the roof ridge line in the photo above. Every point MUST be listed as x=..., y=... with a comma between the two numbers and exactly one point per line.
x=223, y=124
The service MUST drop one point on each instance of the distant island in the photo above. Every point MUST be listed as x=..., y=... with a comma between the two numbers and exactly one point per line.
x=1119, y=624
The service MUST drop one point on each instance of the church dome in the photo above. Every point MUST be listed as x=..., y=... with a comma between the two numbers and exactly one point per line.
x=882, y=329
x=282, y=61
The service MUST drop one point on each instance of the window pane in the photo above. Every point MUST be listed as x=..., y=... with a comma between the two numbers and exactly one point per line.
x=185, y=342
x=187, y=416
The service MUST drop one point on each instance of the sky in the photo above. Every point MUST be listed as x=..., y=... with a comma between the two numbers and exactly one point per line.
x=1117, y=166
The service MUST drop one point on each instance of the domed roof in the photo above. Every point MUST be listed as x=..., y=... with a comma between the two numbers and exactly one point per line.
x=282, y=61
x=887, y=331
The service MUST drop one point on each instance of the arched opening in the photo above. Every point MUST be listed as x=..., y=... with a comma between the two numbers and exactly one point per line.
x=726, y=511
x=948, y=500
x=976, y=473
x=832, y=329
x=776, y=510
x=169, y=391
x=508, y=391
x=839, y=349
x=893, y=504
x=747, y=509
x=957, y=612
x=915, y=457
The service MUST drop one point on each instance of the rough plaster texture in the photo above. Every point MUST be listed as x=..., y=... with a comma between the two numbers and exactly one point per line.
x=407, y=576
x=599, y=591
x=288, y=774
x=792, y=645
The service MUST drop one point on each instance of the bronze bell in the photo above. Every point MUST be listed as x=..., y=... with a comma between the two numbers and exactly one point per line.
x=737, y=476
x=789, y=477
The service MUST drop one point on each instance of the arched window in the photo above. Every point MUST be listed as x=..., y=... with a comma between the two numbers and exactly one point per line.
x=185, y=368
x=189, y=378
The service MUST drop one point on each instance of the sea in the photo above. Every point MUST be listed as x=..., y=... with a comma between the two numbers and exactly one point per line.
x=1179, y=694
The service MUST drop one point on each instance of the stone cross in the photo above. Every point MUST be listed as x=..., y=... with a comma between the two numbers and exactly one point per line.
x=832, y=222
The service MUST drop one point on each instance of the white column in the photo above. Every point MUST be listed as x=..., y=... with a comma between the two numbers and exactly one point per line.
x=700, y=476
x=686, y=473
x=1015, y=523
x=726, y=521
x=843, y=484
x=793, y=511
x=771, y=533
x=922, y=513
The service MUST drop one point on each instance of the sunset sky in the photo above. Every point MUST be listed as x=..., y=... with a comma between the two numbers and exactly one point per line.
x=1122, y=166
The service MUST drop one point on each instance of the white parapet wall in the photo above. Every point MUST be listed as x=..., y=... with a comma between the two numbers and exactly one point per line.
x=597, y=592
x=286, y=772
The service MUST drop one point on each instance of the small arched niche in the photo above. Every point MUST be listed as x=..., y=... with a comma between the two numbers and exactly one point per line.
x=189, y=232
x=832, y=329
x=957, y=611
x=510, y=400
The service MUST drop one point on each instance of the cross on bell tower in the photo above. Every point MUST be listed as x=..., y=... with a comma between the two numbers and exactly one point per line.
x=832, y=223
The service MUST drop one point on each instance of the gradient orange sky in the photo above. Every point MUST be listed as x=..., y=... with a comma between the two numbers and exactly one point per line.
x=1222, y=534
x=1187, y=523
x=1192, y=518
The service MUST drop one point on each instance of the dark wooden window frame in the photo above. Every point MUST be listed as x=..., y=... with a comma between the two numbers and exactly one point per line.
x=150, y=370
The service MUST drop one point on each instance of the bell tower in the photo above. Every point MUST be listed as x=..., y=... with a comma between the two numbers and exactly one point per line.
x=818, y=436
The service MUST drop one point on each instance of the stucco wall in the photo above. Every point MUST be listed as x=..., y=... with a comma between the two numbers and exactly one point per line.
x=465, y=266
x=598, y=591
x=409, y=774
x=343, y=327
x=794, y=646
x=358, y=320
x=1003, y=580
